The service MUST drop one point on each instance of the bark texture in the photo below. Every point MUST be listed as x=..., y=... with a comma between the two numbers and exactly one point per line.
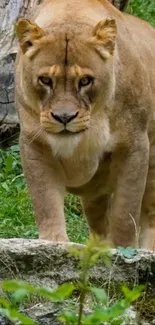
x=120, y=4
x=10, y=11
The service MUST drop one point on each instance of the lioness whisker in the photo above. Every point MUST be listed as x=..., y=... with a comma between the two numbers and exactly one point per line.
x=37, y=135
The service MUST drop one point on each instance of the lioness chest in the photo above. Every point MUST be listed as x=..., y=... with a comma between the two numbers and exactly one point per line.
x=78, y=172
x=88, y=176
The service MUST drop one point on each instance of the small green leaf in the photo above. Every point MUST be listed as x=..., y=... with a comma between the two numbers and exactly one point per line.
x=97, y=317
x=128, y=252
x=20, y=295
x=100, y=294
x=64, y=291
x=5, y=186
x=15, y=148
x=9, y=163
x=59, y=294
x=68, y=317
x=13, y=314
x=133, y=295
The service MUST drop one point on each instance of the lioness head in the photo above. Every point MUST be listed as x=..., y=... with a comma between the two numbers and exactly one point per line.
x=67, y=77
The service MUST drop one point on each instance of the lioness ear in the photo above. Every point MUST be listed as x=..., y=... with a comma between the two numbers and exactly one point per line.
x=27, y=33
x=104, y=36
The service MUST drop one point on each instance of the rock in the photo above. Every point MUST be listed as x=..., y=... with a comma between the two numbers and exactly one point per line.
x=9, y=122
x=7, y=89
x=45, y=314
x=48, y=264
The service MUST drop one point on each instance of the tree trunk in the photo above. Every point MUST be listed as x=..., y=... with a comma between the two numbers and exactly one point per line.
x=10, y=11
x=120, y=4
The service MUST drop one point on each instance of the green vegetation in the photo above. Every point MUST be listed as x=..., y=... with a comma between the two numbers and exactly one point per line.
x=103, y=309
x=144, y=9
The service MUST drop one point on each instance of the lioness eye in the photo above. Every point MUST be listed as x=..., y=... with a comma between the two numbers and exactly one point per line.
x=85, y=81
x=47, y=81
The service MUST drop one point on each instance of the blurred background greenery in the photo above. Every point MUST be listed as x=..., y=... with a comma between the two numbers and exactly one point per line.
x=144, y=9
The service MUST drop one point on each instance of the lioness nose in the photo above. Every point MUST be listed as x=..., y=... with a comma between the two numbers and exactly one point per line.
x=64, y=118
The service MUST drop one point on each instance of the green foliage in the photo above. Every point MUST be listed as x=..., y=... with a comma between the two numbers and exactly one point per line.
x=21, y=289
x=16, y=214
x=144, y=9
x=103, y=310
x=9, y=311
x=128, y=252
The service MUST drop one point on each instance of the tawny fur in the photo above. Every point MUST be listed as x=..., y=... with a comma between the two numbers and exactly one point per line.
x=111, y=163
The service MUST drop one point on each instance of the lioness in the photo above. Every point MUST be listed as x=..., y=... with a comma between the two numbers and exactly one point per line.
x=85, y=92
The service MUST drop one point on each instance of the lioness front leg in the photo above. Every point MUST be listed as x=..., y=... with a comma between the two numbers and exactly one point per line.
x=131, y=167
x=147, y=230
x=95, y=210
x=46, y=189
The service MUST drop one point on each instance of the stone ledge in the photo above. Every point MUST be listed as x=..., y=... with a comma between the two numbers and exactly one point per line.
x=26, y=257
x=46, y=263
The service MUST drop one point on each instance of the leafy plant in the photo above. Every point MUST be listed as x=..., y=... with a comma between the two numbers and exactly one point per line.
x=103, y=311
x=128, y=252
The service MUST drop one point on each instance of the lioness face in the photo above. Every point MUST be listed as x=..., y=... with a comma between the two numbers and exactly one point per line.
x=66, y=89
x=70, y=77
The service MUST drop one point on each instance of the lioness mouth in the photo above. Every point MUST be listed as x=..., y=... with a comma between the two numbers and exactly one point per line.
x=64, y=132
x=67, y=132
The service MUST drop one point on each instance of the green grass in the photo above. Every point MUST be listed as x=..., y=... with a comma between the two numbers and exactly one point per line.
x=16, y=213
x=144, y=9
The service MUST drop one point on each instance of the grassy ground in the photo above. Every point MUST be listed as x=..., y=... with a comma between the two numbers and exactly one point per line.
x=16, y=213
